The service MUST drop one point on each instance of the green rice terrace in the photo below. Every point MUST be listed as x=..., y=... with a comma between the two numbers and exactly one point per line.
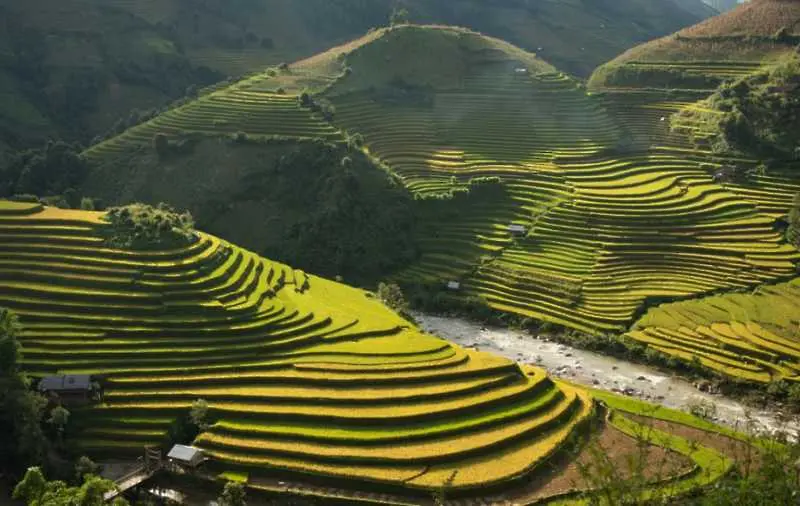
x=538, y=197
x=307, y=380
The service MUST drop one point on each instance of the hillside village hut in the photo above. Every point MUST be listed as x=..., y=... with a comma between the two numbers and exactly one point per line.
x=517, y=230
x=454, y=285
x=68, y=389
x=185, y=457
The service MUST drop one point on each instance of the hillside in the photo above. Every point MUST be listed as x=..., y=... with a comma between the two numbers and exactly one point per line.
x=721, y=94
x=702, y=56
x=76, y=69
x=485, y=136
x=306, y=379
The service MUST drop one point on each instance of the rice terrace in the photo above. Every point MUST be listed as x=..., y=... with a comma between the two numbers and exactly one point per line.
x=218, y=295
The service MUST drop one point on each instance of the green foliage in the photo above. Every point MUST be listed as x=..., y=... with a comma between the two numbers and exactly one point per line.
x=59, y=418
x=756, y=115
x=35, y=490
x=199, y=414
x=87, y=204
x=182, y=430
x=614, y=75
x=333, y=213
x=392, y=296
x=52, y=170
x=84, y=467
x=793, y=230
x=233, y=495
x=21, y=439
x=140, y=226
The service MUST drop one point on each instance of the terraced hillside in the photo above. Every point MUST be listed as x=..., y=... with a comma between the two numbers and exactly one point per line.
x=745, y=335
x=658, y=90
x=304, y=377
x=103, y=62
x=488, y=136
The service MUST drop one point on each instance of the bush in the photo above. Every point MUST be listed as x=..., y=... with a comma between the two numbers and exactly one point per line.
x=140, y=226
x=87, y=204
x=392, y=296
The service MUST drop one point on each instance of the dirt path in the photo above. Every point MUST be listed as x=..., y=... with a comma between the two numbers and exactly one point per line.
x=598, y=371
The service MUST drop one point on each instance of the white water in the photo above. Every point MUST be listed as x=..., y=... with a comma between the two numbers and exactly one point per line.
x=603, y=372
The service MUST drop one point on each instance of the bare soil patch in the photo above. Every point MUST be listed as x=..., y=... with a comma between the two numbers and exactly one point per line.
x=563, y=474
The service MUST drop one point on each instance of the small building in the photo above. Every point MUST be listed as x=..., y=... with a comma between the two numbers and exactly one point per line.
x=517, y=230
x=74, y=389
x=521, y=70
x=186, y=457
x=454, y=285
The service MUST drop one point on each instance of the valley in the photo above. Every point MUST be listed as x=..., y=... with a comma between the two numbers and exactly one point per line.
x=414, y=263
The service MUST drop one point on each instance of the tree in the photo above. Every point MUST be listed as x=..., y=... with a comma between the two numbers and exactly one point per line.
x=35, y=490
x=9, y=347
x=87, y=204
x=85, y=466
x=233, y=495
x=199, y=414
x=59, y=418
x=793, y=230
x=51, y=170
x=21, y=439
x=392, y=296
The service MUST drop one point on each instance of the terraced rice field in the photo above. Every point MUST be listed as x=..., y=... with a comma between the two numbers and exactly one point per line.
x=304, y=377
x=302, y=374
x=741, y=334
x=618, y=210
x=747, y=335
x=591, y=212
x=256, y=113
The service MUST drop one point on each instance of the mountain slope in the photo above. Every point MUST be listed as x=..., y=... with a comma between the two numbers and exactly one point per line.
x=79, y=68
x=732, y=44
x=528, y=192
x=721, y=94
x=306, y=379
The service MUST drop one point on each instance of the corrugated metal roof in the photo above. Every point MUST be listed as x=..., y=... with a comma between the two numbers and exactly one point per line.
x=66, y=382
x=184, y=453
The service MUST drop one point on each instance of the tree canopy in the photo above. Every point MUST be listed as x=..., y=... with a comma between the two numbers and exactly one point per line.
x=141, y=226
x=757, y=115
x=22, y=441
x=35, y=490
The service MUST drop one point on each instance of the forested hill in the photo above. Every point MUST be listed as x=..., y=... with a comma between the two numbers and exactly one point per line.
x=75, y=69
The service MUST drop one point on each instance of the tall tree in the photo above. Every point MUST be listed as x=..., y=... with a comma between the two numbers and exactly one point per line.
x=21, y=439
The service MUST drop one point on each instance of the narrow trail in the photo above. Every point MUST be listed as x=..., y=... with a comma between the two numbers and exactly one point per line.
x=599, y=371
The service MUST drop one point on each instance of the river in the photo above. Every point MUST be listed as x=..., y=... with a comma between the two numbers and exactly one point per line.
x=603, y=372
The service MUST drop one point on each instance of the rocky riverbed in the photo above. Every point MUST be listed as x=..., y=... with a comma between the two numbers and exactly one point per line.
x=603, y=372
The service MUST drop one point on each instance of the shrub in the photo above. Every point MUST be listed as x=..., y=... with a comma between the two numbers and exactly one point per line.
x=392, y=296
x=87, y=204
x=140, y=226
